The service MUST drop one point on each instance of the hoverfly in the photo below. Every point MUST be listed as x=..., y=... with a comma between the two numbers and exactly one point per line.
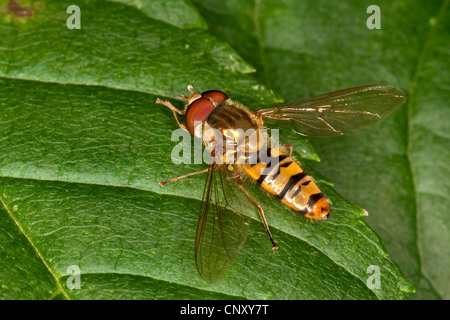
x=222, y=228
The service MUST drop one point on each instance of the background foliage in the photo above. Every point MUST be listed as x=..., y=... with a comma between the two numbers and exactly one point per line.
x=83, y=145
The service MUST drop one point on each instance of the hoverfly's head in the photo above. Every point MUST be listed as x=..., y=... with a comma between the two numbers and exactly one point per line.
x=199, y=106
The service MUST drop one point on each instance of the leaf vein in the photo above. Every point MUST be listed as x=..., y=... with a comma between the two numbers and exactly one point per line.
x=36, y=249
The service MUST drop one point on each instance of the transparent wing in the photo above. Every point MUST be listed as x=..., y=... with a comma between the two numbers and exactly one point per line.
x=338, y=112
x=222, y=229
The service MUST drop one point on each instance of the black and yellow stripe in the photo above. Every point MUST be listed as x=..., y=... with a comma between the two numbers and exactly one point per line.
x=285, y=179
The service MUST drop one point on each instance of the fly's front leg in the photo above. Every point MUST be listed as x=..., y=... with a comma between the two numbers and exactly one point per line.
x=162, y=183
x=175, y=111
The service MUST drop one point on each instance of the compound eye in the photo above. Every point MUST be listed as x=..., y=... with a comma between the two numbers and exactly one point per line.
x=215, y=95
x=197, y=112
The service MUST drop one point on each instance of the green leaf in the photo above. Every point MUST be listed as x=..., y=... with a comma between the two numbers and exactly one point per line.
x=397, y=169
x=180, y=13
x=83, y=146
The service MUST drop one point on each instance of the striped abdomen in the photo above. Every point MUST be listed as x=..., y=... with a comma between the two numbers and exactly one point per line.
x=285, y=179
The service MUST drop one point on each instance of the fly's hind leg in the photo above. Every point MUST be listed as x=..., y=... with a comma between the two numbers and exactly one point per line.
x=175, y=111
x=162, y=183
x=260, y=210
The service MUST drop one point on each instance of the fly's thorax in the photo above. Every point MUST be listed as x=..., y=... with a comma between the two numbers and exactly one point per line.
x=234, y=131
x=231, y=115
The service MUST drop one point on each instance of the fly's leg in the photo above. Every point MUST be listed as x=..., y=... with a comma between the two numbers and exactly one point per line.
x=162, y=183
x=289, y=147
x=175, y=111
x=230, y=169
x=260, y=210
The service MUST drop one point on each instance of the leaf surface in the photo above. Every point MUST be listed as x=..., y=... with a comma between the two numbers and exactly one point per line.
x=83, y=146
